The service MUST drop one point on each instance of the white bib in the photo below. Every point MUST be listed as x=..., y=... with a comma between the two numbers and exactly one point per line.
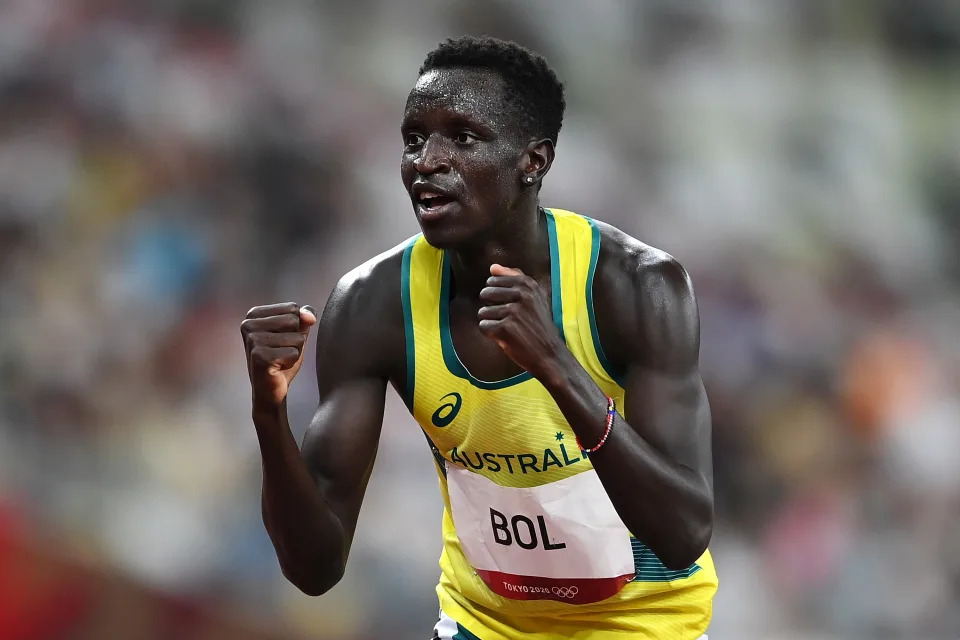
x=559, y=541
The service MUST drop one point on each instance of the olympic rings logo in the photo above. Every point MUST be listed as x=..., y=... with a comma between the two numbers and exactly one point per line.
x=565, y=592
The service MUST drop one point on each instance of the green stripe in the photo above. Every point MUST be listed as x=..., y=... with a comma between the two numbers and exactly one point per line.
x=411, y=346
x=594, y=255
x=649, y=568
x=450, y=357
x=408, y=324
x=463, y=634
x=555, y=282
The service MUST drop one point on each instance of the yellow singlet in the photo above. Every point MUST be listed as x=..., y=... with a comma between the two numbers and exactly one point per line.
x=530, y=548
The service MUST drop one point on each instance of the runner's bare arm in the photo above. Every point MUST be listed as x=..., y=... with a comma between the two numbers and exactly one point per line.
x=660, y=469
x=311, y=498
x=656, y=465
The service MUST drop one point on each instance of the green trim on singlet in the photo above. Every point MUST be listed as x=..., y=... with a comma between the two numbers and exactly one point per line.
x=408, y=324
x=594, y=255
x=450, y=357
x=650, y=569
x=463, y=634
x=555, y=282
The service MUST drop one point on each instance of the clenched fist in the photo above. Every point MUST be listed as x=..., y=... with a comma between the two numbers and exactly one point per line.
x=517, y=316
x=274, y=336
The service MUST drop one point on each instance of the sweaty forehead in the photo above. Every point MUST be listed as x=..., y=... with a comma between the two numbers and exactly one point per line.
x=473, y=92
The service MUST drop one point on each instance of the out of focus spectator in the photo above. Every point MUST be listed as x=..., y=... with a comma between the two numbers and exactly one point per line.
x=166, y=165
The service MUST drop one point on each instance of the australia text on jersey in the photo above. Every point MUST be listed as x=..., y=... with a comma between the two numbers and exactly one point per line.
x=516, y=462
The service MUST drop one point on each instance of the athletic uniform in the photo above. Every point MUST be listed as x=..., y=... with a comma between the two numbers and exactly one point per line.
x=532, y=546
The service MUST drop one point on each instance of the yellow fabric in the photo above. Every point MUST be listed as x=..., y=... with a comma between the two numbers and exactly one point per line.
x=513, y=433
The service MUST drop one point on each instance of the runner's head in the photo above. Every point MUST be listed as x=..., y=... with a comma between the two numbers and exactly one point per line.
x=479, y=131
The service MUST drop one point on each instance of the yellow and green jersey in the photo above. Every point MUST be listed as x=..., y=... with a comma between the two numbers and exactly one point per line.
x=532, y=547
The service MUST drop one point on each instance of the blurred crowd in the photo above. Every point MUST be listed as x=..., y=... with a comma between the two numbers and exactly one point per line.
x=165, y=165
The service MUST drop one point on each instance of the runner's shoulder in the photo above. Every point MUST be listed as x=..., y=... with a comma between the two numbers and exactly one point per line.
x=632, y=267
x=366, y=300
x=646, y=310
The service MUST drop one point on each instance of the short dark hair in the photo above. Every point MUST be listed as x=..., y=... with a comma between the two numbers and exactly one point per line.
x=533, y=88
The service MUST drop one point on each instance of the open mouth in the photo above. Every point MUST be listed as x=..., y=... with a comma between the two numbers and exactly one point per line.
x=430, y=201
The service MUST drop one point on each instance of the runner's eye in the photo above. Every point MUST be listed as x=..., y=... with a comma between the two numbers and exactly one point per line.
x=413, y=140
x=466, y=137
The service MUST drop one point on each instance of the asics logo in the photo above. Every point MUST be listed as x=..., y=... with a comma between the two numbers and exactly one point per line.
x=447, y=411
x=565, y=592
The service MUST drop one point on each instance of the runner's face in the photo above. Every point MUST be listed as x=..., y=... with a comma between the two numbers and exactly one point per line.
x=462, y=144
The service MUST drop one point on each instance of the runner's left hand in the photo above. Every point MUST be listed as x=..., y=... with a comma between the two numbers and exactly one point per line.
x=517, y=316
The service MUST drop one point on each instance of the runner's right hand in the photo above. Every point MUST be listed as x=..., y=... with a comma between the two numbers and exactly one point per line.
x=274, y=336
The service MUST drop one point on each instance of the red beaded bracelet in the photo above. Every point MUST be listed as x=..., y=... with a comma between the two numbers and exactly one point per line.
x=611, y=412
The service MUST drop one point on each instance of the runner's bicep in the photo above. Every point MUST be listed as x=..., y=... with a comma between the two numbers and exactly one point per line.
x=340, y=445
x=670, y=411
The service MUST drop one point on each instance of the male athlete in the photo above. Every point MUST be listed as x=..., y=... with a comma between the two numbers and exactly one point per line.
x=551, y=361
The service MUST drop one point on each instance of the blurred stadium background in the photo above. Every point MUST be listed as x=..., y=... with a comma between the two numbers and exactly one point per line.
x=164, y=166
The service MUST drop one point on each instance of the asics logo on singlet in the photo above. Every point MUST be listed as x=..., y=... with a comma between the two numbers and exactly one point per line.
x=447, y=411
x=565, y=592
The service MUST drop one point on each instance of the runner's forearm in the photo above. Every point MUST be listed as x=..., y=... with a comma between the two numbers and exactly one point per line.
x=660, y=501
x=307, y=535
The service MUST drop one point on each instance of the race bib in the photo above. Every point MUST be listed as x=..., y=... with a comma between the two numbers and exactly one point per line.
x=560, y=541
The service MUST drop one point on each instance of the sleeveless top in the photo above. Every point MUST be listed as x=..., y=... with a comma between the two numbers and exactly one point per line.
x=532, y=546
